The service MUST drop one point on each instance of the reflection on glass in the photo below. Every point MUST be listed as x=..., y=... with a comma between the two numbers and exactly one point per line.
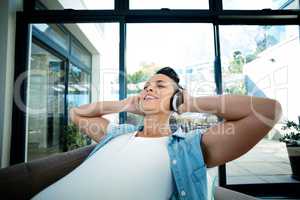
x=78, y=94
x=46, y=93
x=78, y=4
x=79, y=52
x=187, y=48
x=54, y=33
x=262, y=61
x=45, y=103
x=78, y=87
x=258, y=4
x=171, y=4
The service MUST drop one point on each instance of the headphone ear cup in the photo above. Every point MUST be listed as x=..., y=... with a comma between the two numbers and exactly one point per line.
x=176, y=100
x=172, y=102
x=179, y=99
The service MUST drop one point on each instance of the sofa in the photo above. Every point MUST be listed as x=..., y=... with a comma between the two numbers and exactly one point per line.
x=24, y=180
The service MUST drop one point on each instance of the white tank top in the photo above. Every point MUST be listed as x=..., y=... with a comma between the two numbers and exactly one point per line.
x=126, y=168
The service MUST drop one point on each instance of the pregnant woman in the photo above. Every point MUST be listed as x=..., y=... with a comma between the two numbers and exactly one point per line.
x=158, y=161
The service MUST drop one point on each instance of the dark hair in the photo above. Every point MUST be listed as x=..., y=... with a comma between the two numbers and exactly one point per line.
x=168, y=71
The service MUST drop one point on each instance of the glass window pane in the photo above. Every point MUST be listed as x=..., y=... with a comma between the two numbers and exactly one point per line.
x=80, y=53
x=79, y=91
x=78, y=87
x=171, y=4
x=109, y=65
x=54, y=33
x=258, y=4
x=45, y=102
x=46, y=118
x=78, y=4
x=46, y=93
x=262, y=61
x=101, y=40
x=187, y=48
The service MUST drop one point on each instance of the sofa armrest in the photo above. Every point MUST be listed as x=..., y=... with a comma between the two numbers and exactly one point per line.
x=226, y=194
x=24, y=180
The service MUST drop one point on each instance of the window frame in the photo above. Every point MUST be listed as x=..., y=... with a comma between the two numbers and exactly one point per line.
x=123, y=15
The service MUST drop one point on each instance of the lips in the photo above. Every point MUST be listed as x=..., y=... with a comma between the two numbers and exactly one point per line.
x=150, y=97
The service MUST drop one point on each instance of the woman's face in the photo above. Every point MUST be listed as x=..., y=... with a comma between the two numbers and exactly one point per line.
x=156, y=95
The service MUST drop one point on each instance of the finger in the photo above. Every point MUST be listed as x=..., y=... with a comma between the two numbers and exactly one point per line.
x=140, y=105
x=137, y=102
x=138, y=99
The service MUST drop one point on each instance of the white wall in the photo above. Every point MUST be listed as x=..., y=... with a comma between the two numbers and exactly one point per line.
x=276, y=73
x=7, y=40
x=105, y=63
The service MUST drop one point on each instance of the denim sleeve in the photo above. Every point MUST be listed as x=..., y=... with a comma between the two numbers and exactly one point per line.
x=197, y=144
x=211, y=172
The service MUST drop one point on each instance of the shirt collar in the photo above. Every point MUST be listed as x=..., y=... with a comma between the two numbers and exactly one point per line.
x=178, y=133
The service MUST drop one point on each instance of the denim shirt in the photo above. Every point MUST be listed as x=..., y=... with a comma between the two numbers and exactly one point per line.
x=186, y=160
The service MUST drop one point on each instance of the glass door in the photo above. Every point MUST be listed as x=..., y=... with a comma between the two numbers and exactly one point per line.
x=45, y=103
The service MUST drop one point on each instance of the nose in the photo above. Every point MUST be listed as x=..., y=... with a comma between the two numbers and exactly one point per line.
x=149, y=88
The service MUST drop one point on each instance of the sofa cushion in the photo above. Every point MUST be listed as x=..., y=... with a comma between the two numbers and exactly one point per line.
x=24, y=180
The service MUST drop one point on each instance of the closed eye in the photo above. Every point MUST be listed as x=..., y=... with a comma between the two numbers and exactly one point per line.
x=160, y=86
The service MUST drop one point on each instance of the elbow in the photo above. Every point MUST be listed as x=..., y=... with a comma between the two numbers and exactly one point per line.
x=72, y=115
x=274, y=112
x=277, y=111
x=267, y=111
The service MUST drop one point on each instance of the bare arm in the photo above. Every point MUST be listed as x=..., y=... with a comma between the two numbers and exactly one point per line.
x=89, y=117
x=247, y=120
